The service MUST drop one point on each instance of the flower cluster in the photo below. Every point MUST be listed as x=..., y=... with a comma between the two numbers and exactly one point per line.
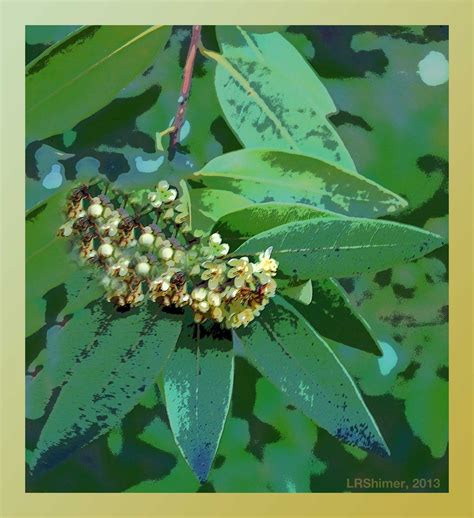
x=154, y=253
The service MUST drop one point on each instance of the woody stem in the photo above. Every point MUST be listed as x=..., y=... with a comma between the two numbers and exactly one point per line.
x=185, y=91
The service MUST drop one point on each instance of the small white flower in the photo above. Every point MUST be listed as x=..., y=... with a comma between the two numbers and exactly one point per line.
x=267, y=267
x=199, y=294
x=223, y=250
x=172, y=195
x=215, y=239
x=245, y=317
x=203, y=306
x=214, y=299
x=214, y=273
x=241, y=271
x=154, y=200
x=120, y=267
x=66, y=229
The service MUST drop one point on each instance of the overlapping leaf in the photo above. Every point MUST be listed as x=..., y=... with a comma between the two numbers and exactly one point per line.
x=272, y=98
x=198, y=381
x=327, y=247
x=47, y=259
x=208, y=205
x=236, y=227
x=332, y=315
x=263, y=175
x=289, y=352
x=79, y=75
x=103, y=379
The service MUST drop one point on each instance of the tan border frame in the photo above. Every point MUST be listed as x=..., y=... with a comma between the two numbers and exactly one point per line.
x=455, y=13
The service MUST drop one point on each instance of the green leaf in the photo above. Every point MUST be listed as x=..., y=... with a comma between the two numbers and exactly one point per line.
x=420, y=171
x=108, y=374
x=327, y=247
x=82, y=287
x=48, y=262
x=264, y=175
x=66, y=346
x=186, y=199
x=427, y=412
x=301, y=291
x=289, y=352
x=198, y=388
x=236, y=227
x=81, y=74
x=264, y=29
x=115, y=440
x=208, y=205
x=333, y=316
x=271, y=97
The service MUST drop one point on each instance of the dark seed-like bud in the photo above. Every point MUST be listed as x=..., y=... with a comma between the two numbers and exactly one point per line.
x=178, y=279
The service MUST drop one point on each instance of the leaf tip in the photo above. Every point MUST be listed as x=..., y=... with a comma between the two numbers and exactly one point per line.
x=201, y=464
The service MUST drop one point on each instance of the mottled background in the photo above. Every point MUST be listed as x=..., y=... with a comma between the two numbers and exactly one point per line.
x=390, y=85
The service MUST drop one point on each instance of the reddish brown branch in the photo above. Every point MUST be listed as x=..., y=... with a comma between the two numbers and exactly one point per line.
x=185, y=91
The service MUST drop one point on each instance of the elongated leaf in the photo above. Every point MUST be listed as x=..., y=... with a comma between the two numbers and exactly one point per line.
x=82, y=287
x=107, y=379
x=327, y=247
x=263, y=175
x=48, y=262
x=289, y=352
x=272, y=98
x=198, y=380
x=236, y=227
x=82, y=73
x=66, y=346
x=332, y=315
x=208, y=205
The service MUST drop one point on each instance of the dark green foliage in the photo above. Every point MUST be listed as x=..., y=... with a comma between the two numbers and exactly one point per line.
x=303, y=141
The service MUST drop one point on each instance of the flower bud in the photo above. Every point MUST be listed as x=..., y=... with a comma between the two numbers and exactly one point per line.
x=95, y=210
x=217, y=314
x=142, y=268
x=198, y=318
x=146, y=239
x=166, y=253
x=106, y=250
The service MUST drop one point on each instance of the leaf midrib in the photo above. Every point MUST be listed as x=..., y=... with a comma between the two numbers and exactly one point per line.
x=237, y=76
x=317, y=249
x=92, y=67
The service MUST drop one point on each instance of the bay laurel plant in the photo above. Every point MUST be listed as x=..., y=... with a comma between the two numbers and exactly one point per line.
x=166, y=284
